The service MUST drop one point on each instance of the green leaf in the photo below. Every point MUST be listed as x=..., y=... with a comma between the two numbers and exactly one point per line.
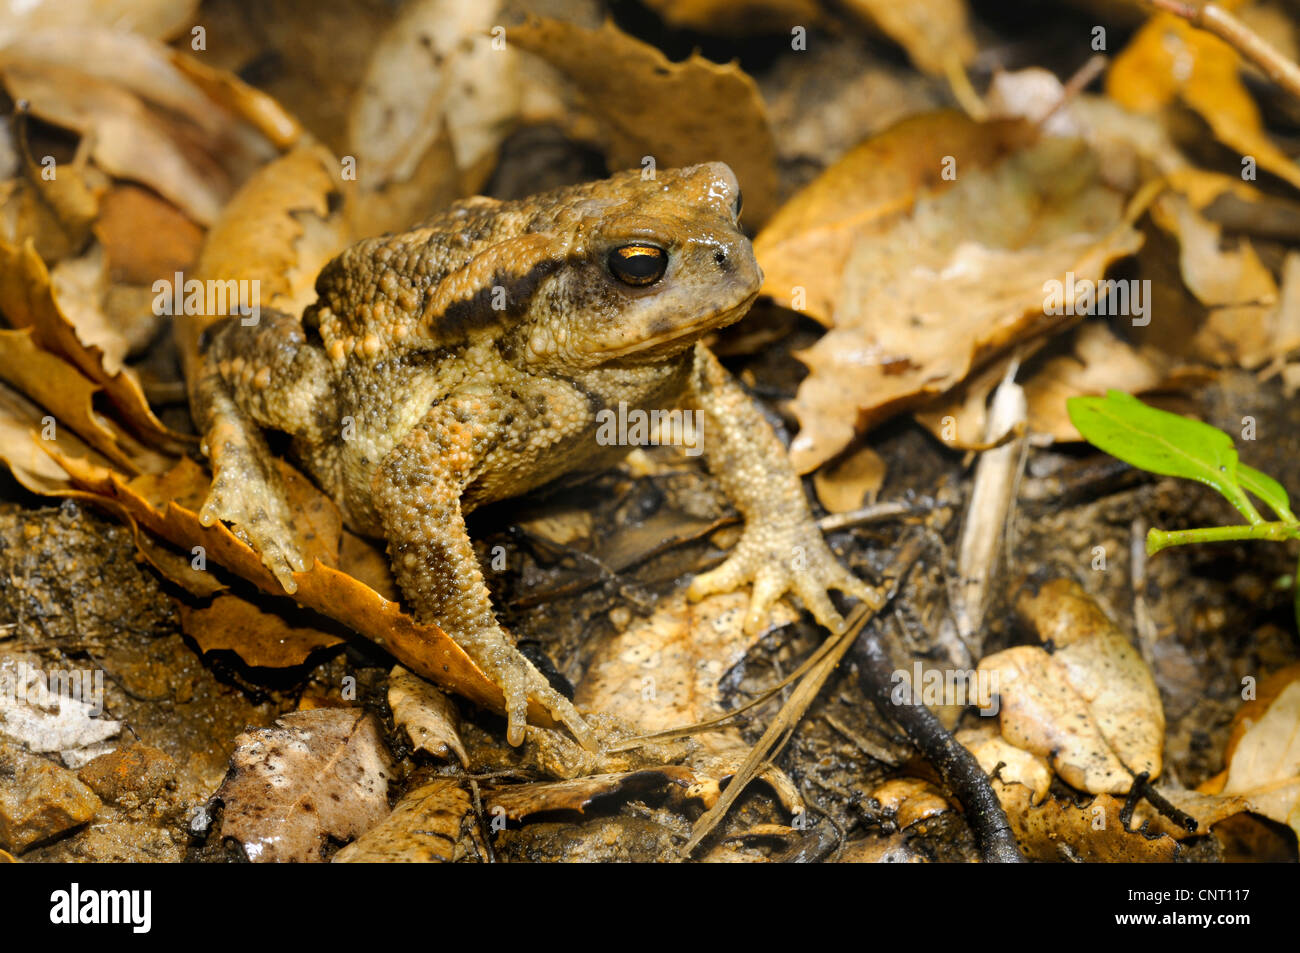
x=1267, y=489
x=1161, y=442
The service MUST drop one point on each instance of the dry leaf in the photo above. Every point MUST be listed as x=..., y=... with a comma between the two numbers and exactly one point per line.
x=1005, y=762
x=804, y=248
x=424, y=828
x=434, y=71
x=429, y=717
x=851, y=482
x=27, y=300
x=517, y=801
x=167, y=508
x=1091, y=707
x=935, y=33
x=677, y=113
x=261, y=638
x=961, y=280
x=159, y=19
x=908, y=800
x=1061, y=830
x=1263, y=754
x=737, y=19
x=1169, y=58
x=313, y=776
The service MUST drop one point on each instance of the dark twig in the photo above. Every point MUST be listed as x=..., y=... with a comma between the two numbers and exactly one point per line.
x=957, y=766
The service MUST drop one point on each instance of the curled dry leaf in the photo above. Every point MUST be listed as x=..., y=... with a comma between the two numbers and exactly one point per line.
x=968, y=275
x=804, y=248
x=261, y=637
x=424, y=828
x=434, y=72
x=935, y=33
x=521, y=800
x=159, y=19
x=1091, y=707
x=1005, y=762
x=1236, y=287
x=851, y=482
x=908, y=800
x=677, y=113
x=1263, y=752
x=1062, y=830
x=155, y=505
x=1170, y=59
x=313, y=776
x=429, y=717
x=27, y=301
x=731, y=18
x=278, y=230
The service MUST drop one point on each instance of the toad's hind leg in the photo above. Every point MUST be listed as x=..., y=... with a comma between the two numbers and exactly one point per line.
x=267, y=375
x=417, y=492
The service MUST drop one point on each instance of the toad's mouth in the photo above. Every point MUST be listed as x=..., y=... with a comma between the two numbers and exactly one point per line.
x=681, y=336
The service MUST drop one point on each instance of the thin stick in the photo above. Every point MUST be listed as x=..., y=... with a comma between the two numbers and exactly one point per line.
x=1214, y=19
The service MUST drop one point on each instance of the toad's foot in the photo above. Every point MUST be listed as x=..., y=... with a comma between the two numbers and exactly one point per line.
x=494, y=652
x=780, y=557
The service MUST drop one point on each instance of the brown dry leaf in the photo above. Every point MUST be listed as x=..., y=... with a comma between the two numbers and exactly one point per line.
x=935, y=33
x=908, y=800
x=261, y=638
x=1263, y=752
x=313, y=776
x=663, y=671
x=1061, y=830
x=1169, y=58
x=1004, y=761
x=737, y=19
x=677, y=113
x=58, y=387
x=167, y=508
x=434, y=72
x=1206, y=809
x=1091, y=359
x=159, y=19
x=804, y=248
x=850, y=482
x=142, y=116
x=1091, y=707
x=24, y=452
x=424, y=828
x=960, y=281
x=1233, y=284
x=429, y=717
x=27, y=301
x=278, y=230
x=517, y=801
x=144, y=236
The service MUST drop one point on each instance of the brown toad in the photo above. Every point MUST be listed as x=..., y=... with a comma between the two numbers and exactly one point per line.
x=468, y=360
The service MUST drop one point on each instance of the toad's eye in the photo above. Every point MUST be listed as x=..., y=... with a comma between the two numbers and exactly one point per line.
x=739, y=204
x=638, y=265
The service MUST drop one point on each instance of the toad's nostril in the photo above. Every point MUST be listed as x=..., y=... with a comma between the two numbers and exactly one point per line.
x=721, y=258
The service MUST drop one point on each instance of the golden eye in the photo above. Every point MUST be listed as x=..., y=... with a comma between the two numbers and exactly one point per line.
x=638, y=265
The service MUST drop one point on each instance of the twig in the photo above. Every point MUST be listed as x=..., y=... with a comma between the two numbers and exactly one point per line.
x=957, y=766
x=1214, y=19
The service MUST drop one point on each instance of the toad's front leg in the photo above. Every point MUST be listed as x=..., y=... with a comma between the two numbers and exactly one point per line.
x=267, y=375
x=416, y=492
x=781, y=548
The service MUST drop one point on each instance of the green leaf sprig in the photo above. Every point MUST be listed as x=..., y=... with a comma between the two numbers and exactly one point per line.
x=1171, y=445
